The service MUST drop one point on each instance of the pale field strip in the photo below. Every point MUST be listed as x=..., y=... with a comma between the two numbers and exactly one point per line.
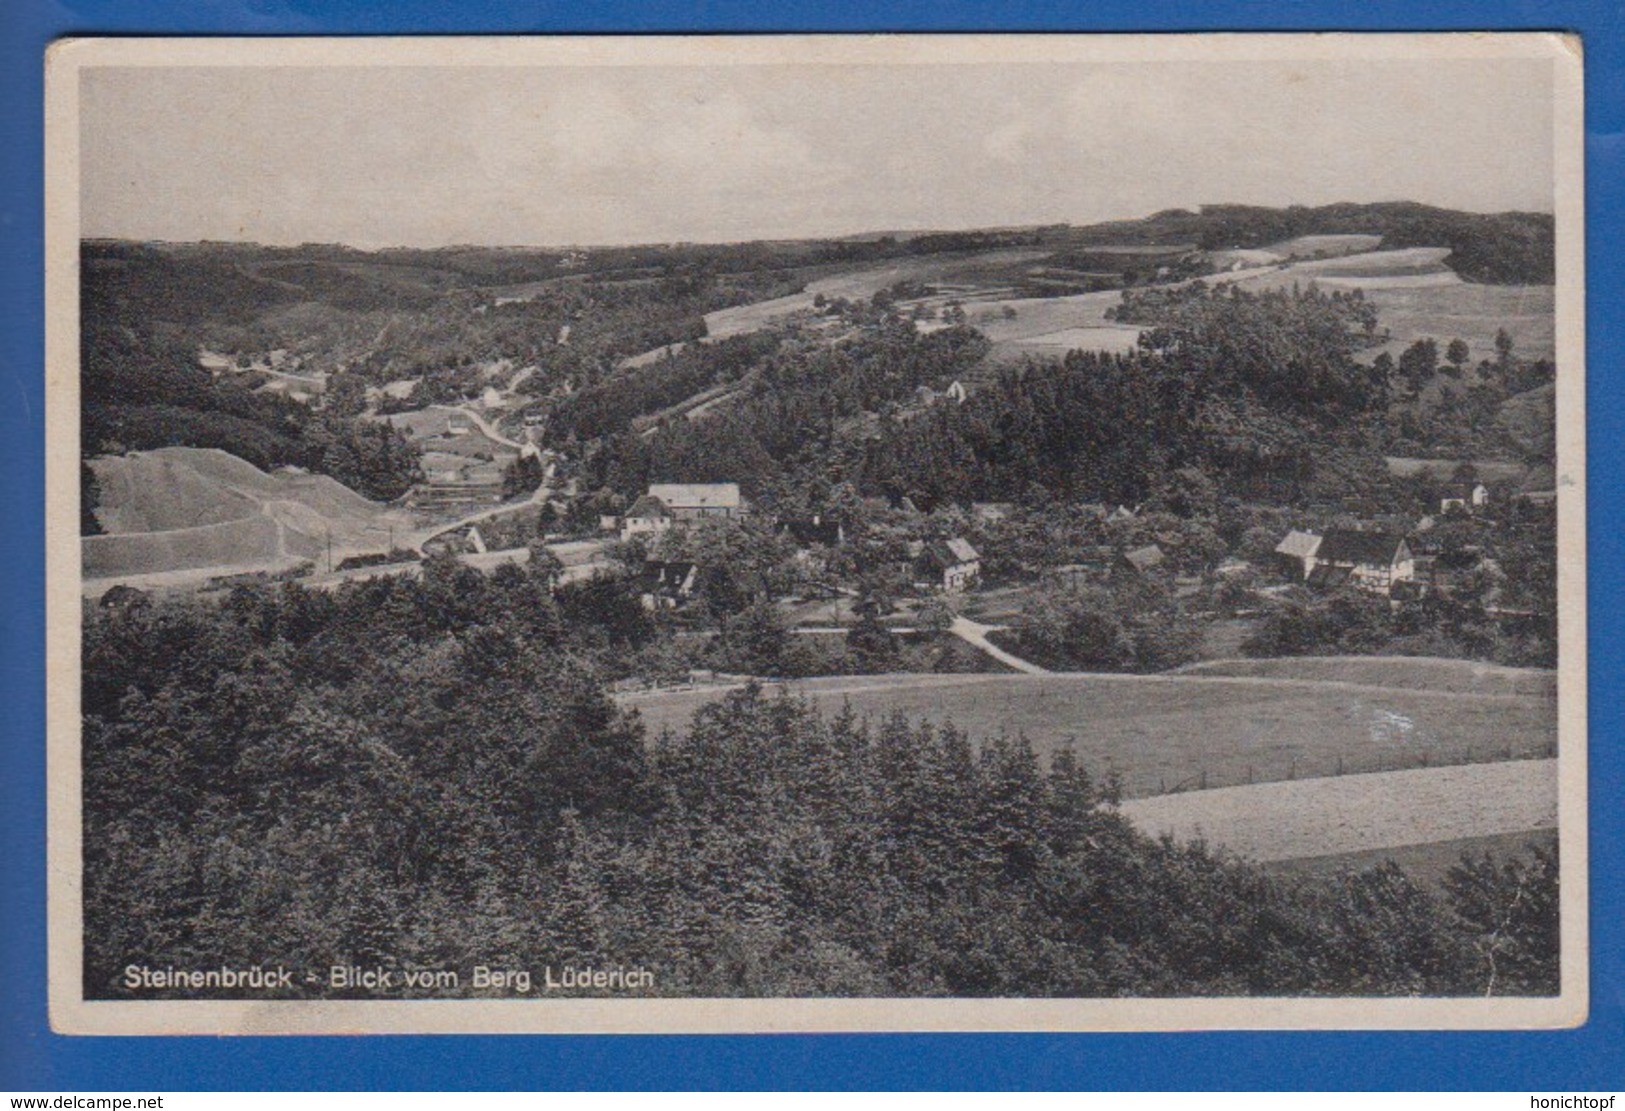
x=1358, y=813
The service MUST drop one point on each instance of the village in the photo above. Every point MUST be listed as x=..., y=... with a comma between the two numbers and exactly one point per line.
x=1064, y=605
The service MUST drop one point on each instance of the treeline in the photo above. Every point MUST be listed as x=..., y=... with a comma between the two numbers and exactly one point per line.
x=371, y=318
x=1506, y=248
x=428, y=774
x=798, y=415
x=140, y=391
x=612, y=405
x=1256, y=389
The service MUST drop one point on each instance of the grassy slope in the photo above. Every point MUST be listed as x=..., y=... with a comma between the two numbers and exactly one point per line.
x=1426, y=864
x=1460, y=676
x=1359, y=813
x=1166, y=732
x=177, y=508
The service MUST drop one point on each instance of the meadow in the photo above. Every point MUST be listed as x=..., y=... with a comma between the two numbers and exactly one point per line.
x=1182, y=732
x=1359, y=813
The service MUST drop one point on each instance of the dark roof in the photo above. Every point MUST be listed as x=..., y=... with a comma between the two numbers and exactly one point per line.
x=808, y=530
x=648, y=506
x=1326, y=575
x=1352, y=546
x=664, y=575
x=951, y=553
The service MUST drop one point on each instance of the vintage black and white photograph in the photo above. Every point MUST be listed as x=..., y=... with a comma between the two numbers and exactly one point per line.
x=816, y=533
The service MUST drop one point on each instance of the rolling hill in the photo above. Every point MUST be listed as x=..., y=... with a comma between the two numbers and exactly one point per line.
x=179, y=508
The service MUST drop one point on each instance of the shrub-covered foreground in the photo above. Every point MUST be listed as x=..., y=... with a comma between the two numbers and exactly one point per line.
x=396, y=777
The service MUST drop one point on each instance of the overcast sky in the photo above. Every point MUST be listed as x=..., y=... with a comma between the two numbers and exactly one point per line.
x=592, y=155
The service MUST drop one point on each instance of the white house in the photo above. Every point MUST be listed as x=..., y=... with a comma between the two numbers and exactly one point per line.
x=1467, y=497
x=647, y=516
x=956, y=561
x=1372, y=561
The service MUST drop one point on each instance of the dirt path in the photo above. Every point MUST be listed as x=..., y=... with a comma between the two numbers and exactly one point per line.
x=975, y=634
x=1359, y=813
x=422, y=536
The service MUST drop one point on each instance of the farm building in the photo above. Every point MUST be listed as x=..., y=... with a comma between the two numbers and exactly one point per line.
x=1465, y=497
x=987, y=512
x=1372, y=561
x=686, y=501
x=647, y=515
x=1296, y=552
x=957, y=563
x=1142, y=561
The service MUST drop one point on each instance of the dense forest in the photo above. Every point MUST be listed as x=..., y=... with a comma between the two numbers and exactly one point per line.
x=1507, y=248
x=802, y=411
x=1252, y=387
x=429, y=774
x=139, y=391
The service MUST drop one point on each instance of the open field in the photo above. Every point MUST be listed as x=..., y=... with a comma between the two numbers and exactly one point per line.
x=1405, y=672
x=1413, y=266
x=1107, y=338
x=1243, y=256
x=1162, y=733
x=1472, y=313
x=1489, y=470
x=1376, y=264
x=176, y=509
x=973, y=269
x=1308, y=246
x=1418, y=296
x=1359, y=813
x=1426, y=864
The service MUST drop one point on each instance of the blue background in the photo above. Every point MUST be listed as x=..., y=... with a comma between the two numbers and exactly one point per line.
x=32, y=1058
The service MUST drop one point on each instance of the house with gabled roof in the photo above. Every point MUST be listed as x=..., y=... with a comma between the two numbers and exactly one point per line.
x=647, y=516
x=1143, y=561
x=954, y=563
x=1296, y=552
x=1464, y=497
x=666, y=584
x=1372, y=561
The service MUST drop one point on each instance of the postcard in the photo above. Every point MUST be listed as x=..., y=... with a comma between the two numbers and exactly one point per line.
x=816, y=533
